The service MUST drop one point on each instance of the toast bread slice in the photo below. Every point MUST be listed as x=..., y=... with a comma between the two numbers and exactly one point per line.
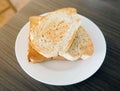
x=82, y=46
x=52, y=34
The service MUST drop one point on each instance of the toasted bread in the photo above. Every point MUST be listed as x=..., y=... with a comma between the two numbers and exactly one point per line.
x=58, y=36
x=35, y=57
x=53, y=34
x=82, y=46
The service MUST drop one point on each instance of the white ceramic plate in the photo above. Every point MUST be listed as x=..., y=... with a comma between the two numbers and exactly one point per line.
x=62, y=72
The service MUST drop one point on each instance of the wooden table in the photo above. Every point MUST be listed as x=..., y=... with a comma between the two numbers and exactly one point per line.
x=105, y=13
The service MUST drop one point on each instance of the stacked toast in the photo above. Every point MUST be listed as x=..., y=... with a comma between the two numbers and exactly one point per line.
x=58, y=35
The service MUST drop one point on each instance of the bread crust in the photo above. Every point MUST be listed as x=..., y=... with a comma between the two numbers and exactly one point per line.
x=68, y=10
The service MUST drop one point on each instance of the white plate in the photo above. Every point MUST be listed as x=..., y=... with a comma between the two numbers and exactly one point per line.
x=62, y=72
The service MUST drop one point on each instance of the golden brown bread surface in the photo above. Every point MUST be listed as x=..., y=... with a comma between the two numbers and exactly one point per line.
x=79, y=45
x=53, y=33
x=82, y=46
x=35, y=57
x=76, y=51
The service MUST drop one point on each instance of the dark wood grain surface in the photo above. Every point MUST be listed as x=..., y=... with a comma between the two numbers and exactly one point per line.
x=105, y=13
